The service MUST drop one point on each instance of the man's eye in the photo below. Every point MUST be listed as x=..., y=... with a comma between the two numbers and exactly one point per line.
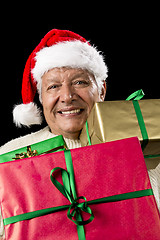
x=52, y=86
x=81, y=82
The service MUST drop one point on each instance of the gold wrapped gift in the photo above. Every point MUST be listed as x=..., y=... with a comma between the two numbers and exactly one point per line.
x=114, y=120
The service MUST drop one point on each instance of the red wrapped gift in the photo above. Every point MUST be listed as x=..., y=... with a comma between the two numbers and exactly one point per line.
x=115, y=169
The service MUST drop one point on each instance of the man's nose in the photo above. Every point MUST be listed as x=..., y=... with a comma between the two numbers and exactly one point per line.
x=67, y=94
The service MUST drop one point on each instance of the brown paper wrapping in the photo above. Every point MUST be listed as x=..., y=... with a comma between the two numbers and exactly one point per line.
x=114, y=120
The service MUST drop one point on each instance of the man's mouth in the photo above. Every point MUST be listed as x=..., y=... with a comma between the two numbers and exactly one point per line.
x=70, y=112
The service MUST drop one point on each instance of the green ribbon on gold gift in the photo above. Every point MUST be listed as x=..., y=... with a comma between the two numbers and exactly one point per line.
x=138, y=95
x=134, y=97
x=75, y=208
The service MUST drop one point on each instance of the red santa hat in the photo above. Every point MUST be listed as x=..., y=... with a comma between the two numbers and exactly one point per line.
x=58, y=48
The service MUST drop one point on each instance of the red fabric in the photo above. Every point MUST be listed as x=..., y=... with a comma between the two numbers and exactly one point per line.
x=28, y=84
x=100, y=171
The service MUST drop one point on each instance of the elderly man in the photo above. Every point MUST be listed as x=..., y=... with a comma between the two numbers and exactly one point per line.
x=69, y=75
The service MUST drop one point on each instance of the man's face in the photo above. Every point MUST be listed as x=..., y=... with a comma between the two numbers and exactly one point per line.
x=68, y=96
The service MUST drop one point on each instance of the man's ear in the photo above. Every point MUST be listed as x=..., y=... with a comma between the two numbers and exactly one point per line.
x=103, y=91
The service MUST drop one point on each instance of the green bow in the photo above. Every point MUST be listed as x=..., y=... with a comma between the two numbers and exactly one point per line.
x=68, y=192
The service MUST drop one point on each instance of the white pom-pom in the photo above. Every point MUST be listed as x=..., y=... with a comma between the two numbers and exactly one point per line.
x=27, y=114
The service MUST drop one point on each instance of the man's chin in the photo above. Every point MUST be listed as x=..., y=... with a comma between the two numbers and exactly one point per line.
x=67, y=127
x=71, y=132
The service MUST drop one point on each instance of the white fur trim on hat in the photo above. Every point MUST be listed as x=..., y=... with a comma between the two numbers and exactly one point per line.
x=27, y=114
x=74, y=54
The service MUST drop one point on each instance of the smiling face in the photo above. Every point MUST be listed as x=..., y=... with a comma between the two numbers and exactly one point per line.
x=68, y=96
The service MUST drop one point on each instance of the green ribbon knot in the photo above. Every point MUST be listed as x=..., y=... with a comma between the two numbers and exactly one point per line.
x=77, y=207
x=68, y=191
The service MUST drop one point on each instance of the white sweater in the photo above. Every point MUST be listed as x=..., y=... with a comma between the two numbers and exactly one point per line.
x=32, y=138
x=44, y=134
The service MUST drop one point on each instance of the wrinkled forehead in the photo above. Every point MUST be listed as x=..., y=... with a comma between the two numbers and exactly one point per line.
x=57, y=74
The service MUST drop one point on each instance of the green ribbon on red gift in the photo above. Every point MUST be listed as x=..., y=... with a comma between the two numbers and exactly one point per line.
x=75, y=208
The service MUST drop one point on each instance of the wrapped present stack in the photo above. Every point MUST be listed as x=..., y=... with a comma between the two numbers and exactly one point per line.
x=95, y=192
x=113, y=120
